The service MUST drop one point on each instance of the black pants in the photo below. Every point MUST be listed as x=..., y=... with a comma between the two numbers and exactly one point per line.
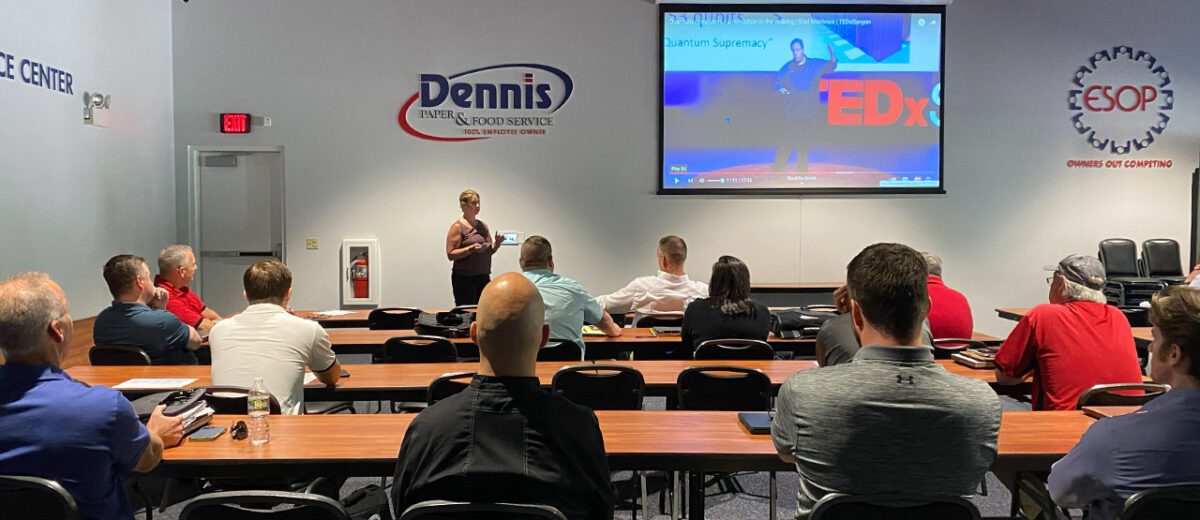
x=467, y=288
x=800, y=132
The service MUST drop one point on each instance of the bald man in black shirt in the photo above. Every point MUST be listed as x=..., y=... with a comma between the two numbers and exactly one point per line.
x=504, y=439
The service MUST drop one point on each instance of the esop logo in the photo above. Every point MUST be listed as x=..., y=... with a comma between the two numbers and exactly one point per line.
x=1119, y=101
x=514, y=99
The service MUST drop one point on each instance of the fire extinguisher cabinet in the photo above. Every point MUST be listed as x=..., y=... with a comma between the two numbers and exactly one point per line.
x=360, y=272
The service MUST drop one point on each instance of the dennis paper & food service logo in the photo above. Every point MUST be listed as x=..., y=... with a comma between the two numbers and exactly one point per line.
x=514, y=99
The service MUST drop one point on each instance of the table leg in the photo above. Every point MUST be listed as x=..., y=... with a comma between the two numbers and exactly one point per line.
x=696, y=490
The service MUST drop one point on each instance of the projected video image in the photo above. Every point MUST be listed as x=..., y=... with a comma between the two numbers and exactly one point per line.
x=787, y=101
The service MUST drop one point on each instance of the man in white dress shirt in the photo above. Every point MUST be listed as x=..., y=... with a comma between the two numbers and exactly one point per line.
x=668, y=291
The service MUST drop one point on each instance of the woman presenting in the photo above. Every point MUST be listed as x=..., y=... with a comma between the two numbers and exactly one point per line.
x=470, y=246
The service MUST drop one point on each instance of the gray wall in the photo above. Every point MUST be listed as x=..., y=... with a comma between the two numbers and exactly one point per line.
x=74, y=195
x=332, y=76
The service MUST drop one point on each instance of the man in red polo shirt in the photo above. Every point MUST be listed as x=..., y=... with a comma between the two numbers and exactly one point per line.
x=1072, y=343
x=949, y=311
x=176, y=269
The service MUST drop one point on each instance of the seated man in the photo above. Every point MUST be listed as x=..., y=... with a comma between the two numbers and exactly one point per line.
x=1155, y=447
x=504, y=439
x=137, y=319
x=568, y=304
x=268, y=342
x=949, y=311
x=893, y=421
x=84, y=437
x=1072, y=343
x=176, y=269
x=668, y=291
x=837, y=341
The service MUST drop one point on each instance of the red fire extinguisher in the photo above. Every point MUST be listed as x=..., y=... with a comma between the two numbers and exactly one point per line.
x=359, y=276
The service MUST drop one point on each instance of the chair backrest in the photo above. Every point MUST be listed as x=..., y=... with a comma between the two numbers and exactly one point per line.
x=231, y=400
x=657, y=319
x=465, y=308
x=1119, y=256
x=557, y=349
x=1160, y=257
x=715, y=349
x=112, y=355
x=448, y=385
x=723, y=388
x=418, y=349
x=601, y=387
x=946, y=347
x=1135, y=394
x=249, y=505
x=443, y=510
x=33, y=497
x=837, y=506
x=1165, y=503
x=393, y=318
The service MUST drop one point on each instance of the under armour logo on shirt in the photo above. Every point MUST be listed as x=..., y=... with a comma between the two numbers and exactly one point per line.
x=900, y=379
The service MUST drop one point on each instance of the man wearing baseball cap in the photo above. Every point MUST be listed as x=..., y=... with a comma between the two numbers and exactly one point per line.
x=1072, y=343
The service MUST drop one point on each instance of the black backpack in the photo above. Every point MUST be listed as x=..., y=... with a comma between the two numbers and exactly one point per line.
x=368, y=503
x=445, y=324
x=799, y=323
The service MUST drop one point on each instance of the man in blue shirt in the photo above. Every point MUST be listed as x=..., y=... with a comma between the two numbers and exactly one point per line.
x=54, y=427
x=138, y=315
x=568, y=304
x=1155, y=446
x=797, y=82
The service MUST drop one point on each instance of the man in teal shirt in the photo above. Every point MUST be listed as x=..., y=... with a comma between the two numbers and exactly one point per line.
x=568, y=304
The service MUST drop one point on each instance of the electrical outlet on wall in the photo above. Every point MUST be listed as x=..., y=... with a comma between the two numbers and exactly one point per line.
x=311, y=244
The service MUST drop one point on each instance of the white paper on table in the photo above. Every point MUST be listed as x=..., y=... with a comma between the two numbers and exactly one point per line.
x=333, y=312
x=154, y=384
x=309, y=377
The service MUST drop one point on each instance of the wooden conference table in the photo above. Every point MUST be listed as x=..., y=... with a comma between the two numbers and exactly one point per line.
x=367, y=445
x=363, y=341
x=408, y=382
x=1142, y=336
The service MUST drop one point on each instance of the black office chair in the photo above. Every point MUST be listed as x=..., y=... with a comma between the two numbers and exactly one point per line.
x=33, y=497
x=231, y=400
x=558, y=349
x=946, y=347
x=601, y=387
x=465, y=308
x=393, y=318
x=717, y=349
x=723, y=388
x=657, y=319
x=117, y=355
x=1165, y=503
x=251, y=505
x=418, y=349
x=1107, y=395
x=1119, y=256
x=1160, y=259
x=447, y=385
x=1125, y=285
x=836, y=506
x=443, y=510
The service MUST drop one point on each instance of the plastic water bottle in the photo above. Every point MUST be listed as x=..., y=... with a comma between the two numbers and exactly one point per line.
x=258, y=405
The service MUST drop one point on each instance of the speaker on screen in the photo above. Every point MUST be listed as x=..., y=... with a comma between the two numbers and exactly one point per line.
x=801, y=99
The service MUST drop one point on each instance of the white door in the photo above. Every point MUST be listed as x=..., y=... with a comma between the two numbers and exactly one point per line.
x=238, y=198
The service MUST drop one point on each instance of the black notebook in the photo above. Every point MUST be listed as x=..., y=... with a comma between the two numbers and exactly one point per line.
x=755, y=422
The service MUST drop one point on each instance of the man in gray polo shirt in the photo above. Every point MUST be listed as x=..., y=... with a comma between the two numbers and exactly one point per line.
x=892, y=421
